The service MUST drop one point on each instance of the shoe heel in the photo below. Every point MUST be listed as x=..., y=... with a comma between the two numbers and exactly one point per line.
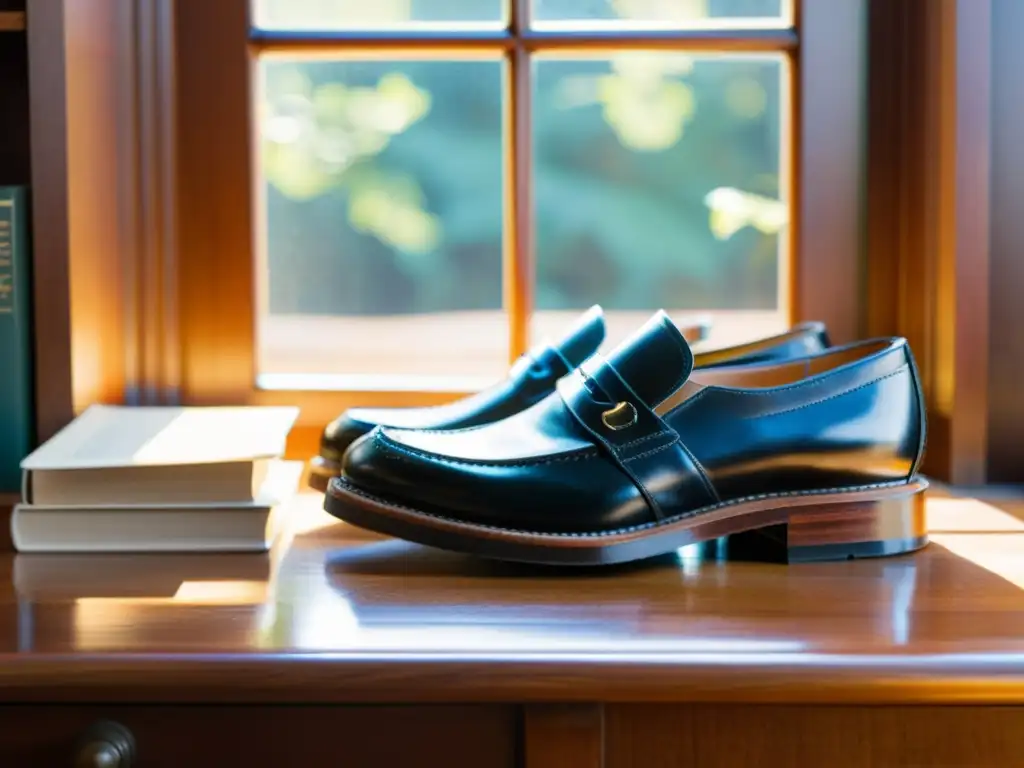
x=321, y=471
x=843, y=530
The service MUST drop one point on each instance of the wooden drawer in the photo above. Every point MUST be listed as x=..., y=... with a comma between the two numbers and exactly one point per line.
x=41, y=736
x=725, y=736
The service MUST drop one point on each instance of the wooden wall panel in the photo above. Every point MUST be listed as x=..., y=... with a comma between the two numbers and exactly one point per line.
x=1006, y=308
x=828, y=165
x=213, y=166
x=928, y=187
x=722, y=736
x=78, y=54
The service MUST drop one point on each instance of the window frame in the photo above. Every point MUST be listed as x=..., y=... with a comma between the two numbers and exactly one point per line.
x=141, y=162
x=214, y=171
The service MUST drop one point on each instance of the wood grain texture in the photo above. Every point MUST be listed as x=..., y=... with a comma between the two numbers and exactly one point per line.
x=564, y=736
x=334, y=614
x=886, y=520
x=353, y=737
x=928, y=191
x=717, y=736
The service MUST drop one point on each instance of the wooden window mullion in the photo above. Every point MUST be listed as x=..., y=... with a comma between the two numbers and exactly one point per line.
x=518, y=272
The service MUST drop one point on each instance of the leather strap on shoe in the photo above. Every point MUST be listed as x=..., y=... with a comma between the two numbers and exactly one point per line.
x=639, y=441
x=551, y=358
x=541, y=366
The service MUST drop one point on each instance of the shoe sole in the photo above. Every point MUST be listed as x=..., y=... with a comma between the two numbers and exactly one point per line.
x=321, y=472
x=871, y=521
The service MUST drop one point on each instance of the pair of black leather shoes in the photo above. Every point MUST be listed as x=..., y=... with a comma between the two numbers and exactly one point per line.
x=533, y=378
x=579, y=458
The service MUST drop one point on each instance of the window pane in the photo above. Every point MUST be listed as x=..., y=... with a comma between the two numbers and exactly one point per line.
x=658, y=186
x=378, y=14
x=383, y=221
x=677, y=14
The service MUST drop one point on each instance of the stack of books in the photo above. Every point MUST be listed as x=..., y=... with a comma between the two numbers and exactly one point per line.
x=158, y=479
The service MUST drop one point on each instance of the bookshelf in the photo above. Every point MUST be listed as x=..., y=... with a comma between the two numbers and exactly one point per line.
x=15, y=170
x=14, y=105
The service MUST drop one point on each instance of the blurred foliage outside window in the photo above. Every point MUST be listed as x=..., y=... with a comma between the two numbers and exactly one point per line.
x=656, y=174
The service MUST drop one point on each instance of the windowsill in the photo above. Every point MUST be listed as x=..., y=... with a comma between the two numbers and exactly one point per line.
x=452, y=346
x=446, y=352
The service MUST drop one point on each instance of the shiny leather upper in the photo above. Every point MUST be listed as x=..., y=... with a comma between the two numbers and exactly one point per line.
x=534, y=377
x=638, y=437
x=531, y=379
x=803, y=339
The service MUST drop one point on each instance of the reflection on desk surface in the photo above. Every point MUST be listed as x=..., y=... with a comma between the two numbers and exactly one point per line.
x=330, y=588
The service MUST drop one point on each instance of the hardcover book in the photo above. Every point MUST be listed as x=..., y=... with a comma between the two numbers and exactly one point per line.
x=17, y=414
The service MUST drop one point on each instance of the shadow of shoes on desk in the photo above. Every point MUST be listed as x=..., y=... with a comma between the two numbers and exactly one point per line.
x=368, y=553
x=389, y=557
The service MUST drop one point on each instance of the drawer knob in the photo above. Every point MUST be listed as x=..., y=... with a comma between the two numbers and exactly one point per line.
x=106, y=745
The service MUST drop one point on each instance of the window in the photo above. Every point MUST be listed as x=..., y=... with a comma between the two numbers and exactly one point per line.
x=149, y=216
x=387, y=202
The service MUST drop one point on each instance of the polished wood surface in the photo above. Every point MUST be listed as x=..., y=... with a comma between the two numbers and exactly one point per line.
x=337, y=615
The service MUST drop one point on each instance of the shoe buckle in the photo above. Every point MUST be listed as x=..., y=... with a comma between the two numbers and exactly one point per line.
x=623, y=415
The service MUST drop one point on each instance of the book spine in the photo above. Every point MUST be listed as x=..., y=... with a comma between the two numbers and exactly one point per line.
x=17, y=412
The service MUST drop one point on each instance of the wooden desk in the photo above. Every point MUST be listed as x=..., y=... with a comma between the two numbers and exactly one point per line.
x=346, y=649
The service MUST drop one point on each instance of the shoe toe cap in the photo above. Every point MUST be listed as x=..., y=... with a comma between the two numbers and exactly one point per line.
x=381, y=462
x=356, y=422
x=342, y=433
x=561, y=495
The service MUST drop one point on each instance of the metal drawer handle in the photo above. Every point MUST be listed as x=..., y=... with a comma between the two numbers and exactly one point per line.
x=106, y=745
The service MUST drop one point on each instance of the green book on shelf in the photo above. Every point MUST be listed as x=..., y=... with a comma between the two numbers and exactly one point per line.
x=17, y=413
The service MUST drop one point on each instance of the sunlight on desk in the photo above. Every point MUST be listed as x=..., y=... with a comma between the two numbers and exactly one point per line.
x=966, y=515
x=981, y=533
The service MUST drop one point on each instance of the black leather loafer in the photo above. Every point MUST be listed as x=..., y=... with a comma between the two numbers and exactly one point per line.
x=637, y=454
x=532, y=379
